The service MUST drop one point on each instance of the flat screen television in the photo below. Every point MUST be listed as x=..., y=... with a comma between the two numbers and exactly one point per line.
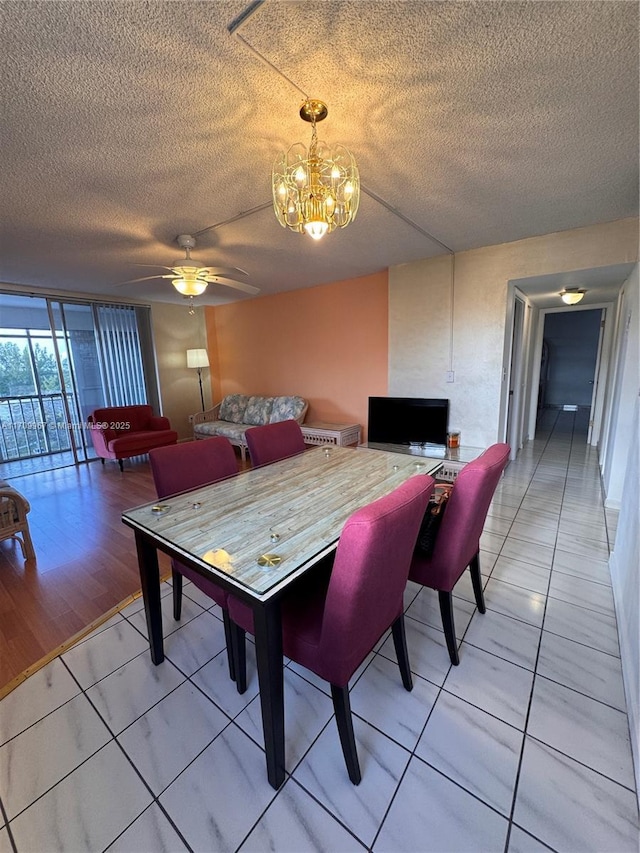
x=408, y=420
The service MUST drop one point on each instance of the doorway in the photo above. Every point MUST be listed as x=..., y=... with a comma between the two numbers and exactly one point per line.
x=569, y=367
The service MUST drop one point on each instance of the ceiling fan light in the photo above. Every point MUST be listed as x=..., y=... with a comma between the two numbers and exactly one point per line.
x=572, y=295
x=315, y=190
x=186, y=287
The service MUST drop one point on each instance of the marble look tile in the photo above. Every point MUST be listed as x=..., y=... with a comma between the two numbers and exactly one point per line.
x=103, y=653
x=538, y=517
x=5, y=841
x=171, y=734
x=521, y=842
x=213, y=679
x=582, y=514
x=428, y=655
x=380, y=698
x=582, y=668
x=525, y=575
x=410, y=591
x=87, y=810
x=487, y=562
x=580, y=545
x=546, y=506
x=220, y=796
x=582, y=728
x=514, y=601
x=474, y=749
x=306, y=711
x=196, y=644
x=496, y=525
x=582, y=567
x=426, y=609
x=296, y=822
x=137, y=604
x=150, y=833
x=491, y=541
x=531, y=532
x=464, y=589
x=584, y=593
x=570, y=807
x=529, y=552
x=41, y=693
x=362, y=807
x=39, y=757
x=130, y=691
x=499, y=510
x=201, y=598
x=585, y=529
x=416, y=817
x=505, y=637
x=590, y=627
x=189, y=611
x=495, y=685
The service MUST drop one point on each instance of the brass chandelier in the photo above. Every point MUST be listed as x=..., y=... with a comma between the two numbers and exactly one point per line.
x=315, y=190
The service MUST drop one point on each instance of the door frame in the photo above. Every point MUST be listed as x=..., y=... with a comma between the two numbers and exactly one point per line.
x=601, y=368
x=516, y=391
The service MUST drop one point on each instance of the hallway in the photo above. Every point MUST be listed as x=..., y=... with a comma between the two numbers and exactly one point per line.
x=522, y=747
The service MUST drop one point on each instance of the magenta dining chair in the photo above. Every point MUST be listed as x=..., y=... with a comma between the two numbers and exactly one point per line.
x=458, y=542
x=179, y=468
x=272, y=442
x=330, y=623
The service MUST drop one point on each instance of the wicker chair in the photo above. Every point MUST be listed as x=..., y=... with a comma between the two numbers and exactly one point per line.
x=13, y=519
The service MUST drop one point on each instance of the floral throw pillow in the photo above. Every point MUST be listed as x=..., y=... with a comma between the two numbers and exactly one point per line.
x=287, y=408
x=233, y=407
x=258, y=411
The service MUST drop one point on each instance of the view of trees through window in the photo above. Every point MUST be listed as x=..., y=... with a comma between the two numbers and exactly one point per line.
x=32, y=409
x=59, y=361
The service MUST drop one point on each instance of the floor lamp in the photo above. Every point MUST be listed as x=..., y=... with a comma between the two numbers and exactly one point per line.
x=198, y=358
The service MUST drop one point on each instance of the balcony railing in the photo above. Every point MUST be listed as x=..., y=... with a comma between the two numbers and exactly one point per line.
x=35, y=425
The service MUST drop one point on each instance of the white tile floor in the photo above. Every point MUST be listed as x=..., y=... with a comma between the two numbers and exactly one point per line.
x=523, y=747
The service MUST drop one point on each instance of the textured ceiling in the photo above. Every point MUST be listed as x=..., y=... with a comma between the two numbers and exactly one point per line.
x=125, y=124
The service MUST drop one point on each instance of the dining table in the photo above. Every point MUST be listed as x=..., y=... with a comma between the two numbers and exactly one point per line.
x=255, y=534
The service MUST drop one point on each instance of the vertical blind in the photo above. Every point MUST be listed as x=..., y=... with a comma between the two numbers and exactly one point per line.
x=120, y=354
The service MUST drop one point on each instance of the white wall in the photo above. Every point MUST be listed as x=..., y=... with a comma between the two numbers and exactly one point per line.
x=624, y=565
x=626, y=384
x=419, y=312
x=175, y=331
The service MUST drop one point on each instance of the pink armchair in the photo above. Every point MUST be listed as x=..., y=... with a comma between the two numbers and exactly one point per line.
x=119, y=432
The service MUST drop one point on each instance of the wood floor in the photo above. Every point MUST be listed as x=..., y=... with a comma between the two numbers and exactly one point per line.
x=86, y=559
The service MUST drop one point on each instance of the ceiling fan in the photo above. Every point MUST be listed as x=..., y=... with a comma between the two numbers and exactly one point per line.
x=191, y=279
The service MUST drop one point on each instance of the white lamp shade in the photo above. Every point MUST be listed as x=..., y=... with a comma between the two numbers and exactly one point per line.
x=197, y=358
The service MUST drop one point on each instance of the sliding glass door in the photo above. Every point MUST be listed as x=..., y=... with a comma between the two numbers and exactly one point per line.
x=59, y=361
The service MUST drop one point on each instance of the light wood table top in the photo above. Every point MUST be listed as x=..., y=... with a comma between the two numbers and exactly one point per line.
x=295, y=509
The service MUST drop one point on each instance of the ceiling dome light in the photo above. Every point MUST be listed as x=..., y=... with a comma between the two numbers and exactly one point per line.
x=572, y=295
x=190, y=285
x=315, y=190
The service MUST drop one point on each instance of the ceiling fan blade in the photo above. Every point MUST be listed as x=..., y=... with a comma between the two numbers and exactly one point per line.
x=144, y=278
x=237, y=285
x=229, y=272
x=157, y=266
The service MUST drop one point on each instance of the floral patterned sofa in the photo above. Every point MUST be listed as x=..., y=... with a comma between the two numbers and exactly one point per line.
x=236, y=413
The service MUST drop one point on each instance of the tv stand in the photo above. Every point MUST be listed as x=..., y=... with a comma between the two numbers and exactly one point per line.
x=452, y=459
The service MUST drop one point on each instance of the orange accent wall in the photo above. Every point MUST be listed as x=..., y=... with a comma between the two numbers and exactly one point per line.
x=327, y=343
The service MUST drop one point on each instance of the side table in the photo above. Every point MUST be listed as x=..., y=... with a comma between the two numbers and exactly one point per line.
x=321, y=432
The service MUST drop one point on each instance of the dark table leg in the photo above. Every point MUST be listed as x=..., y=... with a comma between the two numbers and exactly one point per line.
x=150, y=580
x=268, y=636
